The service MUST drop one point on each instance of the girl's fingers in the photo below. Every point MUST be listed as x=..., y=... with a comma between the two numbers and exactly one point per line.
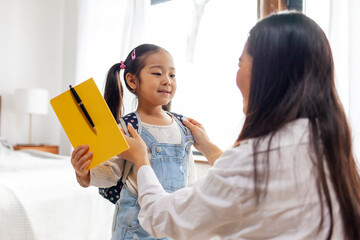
x=81, y=152
x=84, y=158
x=83, y=164
x=84, y=167
x=77, y=157
x=76, y=150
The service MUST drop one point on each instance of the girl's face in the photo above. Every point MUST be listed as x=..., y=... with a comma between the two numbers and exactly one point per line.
x=243, y=77
x=158, y=82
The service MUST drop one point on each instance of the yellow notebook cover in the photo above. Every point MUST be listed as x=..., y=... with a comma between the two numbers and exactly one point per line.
x=108, y=141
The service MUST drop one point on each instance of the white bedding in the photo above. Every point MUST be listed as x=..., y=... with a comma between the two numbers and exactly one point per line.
x=40, y=199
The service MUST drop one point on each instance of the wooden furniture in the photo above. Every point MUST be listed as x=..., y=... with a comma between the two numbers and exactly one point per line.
x=44, y=148
x=266, y=7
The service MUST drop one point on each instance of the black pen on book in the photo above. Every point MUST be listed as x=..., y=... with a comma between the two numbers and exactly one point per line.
x=82, y=107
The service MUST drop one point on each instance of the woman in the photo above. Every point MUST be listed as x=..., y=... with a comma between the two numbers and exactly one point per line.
x=291, y=173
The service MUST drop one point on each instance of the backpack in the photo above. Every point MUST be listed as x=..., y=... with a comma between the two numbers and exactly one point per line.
x=113, y=193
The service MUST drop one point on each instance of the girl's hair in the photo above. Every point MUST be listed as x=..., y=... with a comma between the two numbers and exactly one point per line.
x=293, y=77
x=134, y=63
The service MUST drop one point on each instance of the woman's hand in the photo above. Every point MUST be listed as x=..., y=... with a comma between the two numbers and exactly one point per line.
x=137, y=153
x=202, y=142
x=80, y=160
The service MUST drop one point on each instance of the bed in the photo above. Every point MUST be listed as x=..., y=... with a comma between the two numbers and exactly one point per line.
x=40, y=199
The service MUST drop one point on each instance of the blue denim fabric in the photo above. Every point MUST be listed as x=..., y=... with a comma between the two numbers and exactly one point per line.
x=170, y=163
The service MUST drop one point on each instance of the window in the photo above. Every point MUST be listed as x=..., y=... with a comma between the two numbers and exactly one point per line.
x=205, y=58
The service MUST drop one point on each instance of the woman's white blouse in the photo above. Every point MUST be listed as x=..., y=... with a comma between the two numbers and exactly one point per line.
x=222, y=203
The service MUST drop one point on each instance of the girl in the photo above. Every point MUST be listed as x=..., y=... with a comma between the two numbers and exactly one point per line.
x=149, y=73
x=291, y=173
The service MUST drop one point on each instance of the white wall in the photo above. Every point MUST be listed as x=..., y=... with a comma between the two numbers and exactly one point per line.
x=38, y=41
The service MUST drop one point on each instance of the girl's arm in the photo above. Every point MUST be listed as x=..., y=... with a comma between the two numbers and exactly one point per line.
x=106, y=174
x=80, y=160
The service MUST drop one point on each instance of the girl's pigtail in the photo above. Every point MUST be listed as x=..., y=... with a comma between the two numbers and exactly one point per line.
x=114, y=92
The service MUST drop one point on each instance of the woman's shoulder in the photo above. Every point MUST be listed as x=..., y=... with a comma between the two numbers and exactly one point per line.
x=233, y=159
x=292, y=134
x=296, y=132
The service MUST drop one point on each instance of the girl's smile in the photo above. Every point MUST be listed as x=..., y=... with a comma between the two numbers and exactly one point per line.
x=157, y=82
x=166, y=92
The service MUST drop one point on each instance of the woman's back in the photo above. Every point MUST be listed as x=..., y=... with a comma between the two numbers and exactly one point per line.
x=291, y=207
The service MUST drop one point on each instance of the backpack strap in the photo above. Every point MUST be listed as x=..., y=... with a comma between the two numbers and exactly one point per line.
x=129, y=118
x=133, y=120
x=113, y=193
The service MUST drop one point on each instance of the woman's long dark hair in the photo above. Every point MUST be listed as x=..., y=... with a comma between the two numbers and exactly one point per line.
x=114, y=92
x=293, y=77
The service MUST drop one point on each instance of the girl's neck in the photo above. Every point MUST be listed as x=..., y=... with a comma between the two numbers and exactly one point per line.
x=154, y=116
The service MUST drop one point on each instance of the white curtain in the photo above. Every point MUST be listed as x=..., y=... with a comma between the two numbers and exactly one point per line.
x=108, y=30
x=339, y=20
x=354, y=72
x=206, y=88
x=344, y=35
x=134, y=25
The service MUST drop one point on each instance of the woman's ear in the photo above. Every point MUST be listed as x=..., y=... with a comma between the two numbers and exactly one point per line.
x=131, y=80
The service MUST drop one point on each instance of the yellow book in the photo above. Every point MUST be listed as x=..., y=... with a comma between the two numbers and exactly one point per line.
x=108, y=140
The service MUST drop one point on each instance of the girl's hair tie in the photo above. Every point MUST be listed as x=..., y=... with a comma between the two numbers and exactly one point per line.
x=122, y=65
x=133, y=55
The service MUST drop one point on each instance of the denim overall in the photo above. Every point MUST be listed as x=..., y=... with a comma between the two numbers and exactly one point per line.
x=170, y=163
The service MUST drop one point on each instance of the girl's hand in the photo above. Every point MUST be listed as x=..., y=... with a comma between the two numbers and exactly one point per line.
x=202, y=142
x=80, y=160
x=137, y=153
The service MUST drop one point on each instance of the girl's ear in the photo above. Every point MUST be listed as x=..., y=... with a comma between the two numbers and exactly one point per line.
x=131, y=80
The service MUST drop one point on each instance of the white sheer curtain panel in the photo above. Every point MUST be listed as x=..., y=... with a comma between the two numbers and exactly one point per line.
x=339, y=20
x=206, y=87
x=134, y=25
x=108, y=30
x=133, y=34
x=354, y=72
x=344, y=38
x=99, y=34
